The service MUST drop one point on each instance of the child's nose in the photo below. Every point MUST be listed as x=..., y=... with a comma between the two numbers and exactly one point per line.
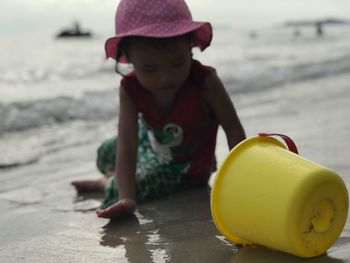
x=166, y=81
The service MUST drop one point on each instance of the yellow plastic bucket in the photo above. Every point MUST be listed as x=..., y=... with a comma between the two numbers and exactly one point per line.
x=266, y=194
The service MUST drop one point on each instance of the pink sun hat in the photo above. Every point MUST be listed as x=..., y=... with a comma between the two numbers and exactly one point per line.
x=158, y=19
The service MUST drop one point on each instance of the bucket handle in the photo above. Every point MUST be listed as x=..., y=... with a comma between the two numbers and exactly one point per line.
x=290, y=144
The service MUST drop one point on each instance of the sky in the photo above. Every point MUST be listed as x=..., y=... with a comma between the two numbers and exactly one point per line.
x=98, y=15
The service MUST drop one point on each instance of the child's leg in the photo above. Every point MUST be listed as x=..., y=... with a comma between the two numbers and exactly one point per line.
x=105, y=162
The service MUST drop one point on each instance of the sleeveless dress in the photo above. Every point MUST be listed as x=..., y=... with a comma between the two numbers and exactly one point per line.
x=176, y=150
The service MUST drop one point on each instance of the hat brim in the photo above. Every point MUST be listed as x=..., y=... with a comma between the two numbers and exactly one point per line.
x=202, y=35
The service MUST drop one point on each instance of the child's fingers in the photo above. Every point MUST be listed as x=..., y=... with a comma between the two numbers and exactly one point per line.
x=119, y=209
x=102, y=213
x=113, y=211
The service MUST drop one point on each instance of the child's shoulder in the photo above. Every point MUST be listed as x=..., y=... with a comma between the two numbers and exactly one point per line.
x=200, y=72
x=197, y=65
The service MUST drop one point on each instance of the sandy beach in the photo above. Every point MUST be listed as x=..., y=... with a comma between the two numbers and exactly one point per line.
x=43, y=220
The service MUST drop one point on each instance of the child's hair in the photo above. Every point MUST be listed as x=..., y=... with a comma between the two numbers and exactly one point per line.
x=159, y=43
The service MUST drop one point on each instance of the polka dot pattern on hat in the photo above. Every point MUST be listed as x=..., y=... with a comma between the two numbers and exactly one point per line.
x=156, y=18
x=133, y=14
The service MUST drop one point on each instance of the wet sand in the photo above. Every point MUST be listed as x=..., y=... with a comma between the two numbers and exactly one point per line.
x=43, y=220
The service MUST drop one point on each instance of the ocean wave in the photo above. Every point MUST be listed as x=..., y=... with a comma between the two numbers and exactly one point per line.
x=25, y=115
x=29, y=146
x=104, y=104
x=257, y=79
x=37, y=74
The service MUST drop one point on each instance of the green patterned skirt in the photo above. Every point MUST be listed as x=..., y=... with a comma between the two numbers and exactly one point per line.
x=154, y=177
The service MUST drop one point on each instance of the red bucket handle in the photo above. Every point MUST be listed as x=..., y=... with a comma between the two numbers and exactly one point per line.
x=290, y=144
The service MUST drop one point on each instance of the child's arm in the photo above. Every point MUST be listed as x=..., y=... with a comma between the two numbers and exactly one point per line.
x=126, y=159
x=222, y=107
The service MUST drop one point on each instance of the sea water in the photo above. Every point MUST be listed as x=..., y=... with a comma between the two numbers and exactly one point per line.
x=57, y=94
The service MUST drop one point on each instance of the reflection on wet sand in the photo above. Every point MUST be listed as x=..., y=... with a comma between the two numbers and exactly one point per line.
x=136, y=238
x=258, y=254
x=127, y=233
x=180, y=231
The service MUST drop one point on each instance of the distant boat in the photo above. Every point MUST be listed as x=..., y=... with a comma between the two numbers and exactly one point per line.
x=69, y=33
x=73, y=32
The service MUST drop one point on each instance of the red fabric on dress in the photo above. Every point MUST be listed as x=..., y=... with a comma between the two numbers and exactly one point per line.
x=199, y=129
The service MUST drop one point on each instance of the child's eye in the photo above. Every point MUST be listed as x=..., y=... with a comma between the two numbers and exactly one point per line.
x=179, y=64
x=150, y=69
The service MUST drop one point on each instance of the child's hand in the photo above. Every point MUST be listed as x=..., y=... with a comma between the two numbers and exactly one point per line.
x=120, y=209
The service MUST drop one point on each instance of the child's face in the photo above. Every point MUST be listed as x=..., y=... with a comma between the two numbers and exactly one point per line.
x=161, y=68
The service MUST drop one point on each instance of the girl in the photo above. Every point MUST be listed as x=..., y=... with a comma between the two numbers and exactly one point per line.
x=170, y=108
